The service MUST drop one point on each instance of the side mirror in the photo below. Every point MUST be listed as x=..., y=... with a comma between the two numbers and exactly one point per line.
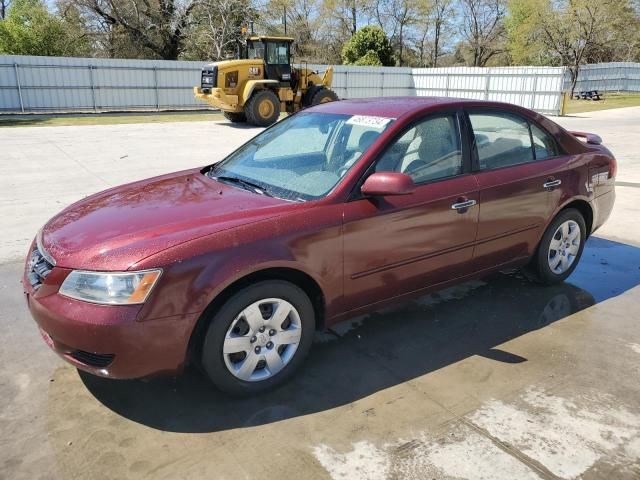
x=381, y=184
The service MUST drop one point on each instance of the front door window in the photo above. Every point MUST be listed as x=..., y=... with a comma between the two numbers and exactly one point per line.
x=428, y=151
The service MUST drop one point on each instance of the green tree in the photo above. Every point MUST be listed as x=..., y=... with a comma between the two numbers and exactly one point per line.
x=140, y=28
x=524, y=40
x=367, y=44
x=30, y=29
x=572, y=33
x=369, y=59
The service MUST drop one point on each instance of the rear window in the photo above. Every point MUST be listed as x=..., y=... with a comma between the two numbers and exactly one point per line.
x=543, y=144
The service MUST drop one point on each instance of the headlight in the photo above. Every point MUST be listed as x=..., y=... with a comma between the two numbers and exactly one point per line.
x=40, y=247
x=231, y=79
x=122, y=288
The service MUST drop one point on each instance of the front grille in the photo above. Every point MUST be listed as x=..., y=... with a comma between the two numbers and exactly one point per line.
x=98, y=360
x=38, y=268
x=209, y=78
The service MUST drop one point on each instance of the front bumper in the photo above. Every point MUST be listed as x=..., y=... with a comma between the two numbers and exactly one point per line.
x=218, y=99
x=108, y=340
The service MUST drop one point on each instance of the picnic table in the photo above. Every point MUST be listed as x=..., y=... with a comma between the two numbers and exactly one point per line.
x=588, y=95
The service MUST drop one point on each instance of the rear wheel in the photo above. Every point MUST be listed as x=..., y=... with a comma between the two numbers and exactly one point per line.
x=263, y=108
x=560, y=249
x=318, y=94
x=235, y=117
x=259, y=338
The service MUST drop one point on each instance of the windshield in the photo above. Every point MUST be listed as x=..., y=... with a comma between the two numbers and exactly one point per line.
x=302, y=157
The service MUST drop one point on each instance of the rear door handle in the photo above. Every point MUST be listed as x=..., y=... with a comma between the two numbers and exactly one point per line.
x=463, y=205
x=552, y=183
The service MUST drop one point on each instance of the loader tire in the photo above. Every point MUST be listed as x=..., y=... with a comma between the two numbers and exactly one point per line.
x=263, y=108
x=317, y=95
x=235, y=117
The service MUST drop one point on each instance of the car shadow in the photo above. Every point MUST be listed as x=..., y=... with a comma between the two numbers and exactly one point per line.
x=359, y=357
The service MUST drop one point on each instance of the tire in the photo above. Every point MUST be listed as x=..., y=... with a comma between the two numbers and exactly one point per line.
x=542, y=267
x=263, y=108
x=229, y=330
x=235, y=117
x=318, y=94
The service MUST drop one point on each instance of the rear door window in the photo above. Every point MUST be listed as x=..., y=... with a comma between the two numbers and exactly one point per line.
x=502, y=139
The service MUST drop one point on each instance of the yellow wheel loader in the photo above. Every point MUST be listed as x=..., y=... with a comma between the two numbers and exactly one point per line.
x=262, y=83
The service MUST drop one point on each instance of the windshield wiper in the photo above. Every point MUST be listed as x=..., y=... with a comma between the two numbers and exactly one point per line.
x=254, y=187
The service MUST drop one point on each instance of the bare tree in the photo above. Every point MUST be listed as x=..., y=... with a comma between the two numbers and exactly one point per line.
x=220, y=25
x=422, y=45
x=434, y=26
x=482, y=29
x=403, y=17
x=345, y=12
x=441, y=15
x=303, y=23
x=215, y=28
x=396, y=18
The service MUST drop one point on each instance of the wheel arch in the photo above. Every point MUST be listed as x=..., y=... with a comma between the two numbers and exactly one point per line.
x=252, y=85
x=292, y=275
x=580, y=204
x=584, y=208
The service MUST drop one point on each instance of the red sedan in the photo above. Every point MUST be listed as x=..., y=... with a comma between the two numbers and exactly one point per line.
x=332, y=212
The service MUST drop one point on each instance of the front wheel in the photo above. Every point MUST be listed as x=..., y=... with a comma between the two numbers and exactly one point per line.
x=263, y=108
x=259, y=338
x=560, y=249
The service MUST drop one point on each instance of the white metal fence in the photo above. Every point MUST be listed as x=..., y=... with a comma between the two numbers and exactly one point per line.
x=32, y=84
x=608, y=77
x=538, y=88
x=56, y=84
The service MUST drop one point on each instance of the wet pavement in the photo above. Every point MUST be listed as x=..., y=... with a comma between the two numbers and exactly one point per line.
x=499, y=372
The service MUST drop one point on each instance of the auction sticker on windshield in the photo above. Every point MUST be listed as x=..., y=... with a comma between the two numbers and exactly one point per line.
x=369, y=121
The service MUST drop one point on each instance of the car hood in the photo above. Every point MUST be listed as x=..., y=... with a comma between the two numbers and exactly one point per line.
x=114, y=229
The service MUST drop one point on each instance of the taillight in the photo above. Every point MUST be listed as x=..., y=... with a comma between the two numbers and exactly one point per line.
x=613, y=167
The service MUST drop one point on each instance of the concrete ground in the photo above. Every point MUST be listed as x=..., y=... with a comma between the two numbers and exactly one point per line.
x=493, y=379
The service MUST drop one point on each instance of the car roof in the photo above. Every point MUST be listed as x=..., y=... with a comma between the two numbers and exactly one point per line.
x=394, y=107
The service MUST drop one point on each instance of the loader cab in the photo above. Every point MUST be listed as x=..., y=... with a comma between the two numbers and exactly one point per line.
x=276, y=53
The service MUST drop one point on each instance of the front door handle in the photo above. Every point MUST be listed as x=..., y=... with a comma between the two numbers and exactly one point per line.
x=463, y=205
x=551, y=183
